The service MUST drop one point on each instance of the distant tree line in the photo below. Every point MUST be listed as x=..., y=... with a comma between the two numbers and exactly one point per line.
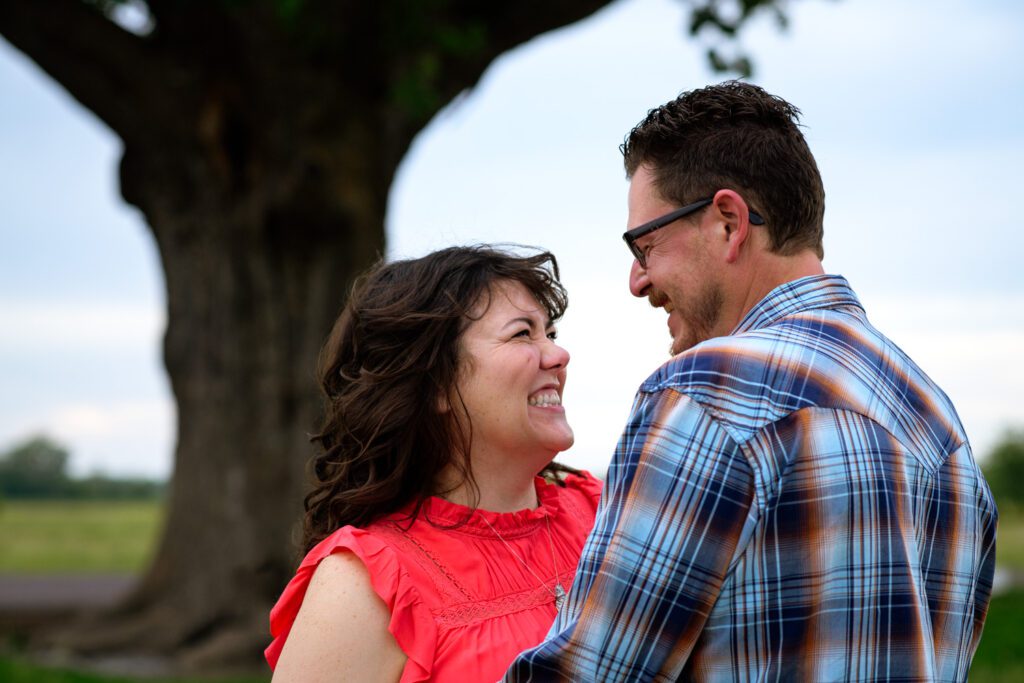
x=37, y=469
x=1004, y=470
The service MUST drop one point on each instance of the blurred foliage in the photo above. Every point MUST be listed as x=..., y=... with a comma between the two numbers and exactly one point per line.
x=1004, y=470
x=1010, y=539
x=1000, y=656
x=727, y=18
x=37, y=469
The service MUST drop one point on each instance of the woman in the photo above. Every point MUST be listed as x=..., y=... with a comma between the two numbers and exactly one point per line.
x=434, y=549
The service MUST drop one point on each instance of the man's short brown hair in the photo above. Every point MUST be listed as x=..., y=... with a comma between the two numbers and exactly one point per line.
x=737, y=136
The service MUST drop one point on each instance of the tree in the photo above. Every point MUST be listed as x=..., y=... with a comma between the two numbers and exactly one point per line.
x=36, y=468
x=1004, y=470
x=260, y=141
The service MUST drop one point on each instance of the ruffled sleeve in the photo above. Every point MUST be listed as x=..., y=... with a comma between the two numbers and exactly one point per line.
x=411, y=622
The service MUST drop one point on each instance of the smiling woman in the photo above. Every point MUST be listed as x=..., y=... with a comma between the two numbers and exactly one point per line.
x=509, y=393
x=440, y=536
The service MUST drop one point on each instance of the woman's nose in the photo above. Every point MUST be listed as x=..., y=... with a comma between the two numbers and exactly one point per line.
x=555, y=356
x=639, y=283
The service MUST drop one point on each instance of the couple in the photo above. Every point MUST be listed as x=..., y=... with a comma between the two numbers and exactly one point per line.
x=792, y=498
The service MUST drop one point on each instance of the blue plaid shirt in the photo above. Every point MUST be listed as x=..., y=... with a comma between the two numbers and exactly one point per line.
x=794, y=502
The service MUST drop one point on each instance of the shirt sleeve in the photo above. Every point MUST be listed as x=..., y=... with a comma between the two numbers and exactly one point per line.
x=677, y=507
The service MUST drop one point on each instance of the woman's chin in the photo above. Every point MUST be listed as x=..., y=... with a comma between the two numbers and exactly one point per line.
x=563, y=441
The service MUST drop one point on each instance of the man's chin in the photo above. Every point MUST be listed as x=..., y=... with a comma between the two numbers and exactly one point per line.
x=684, y=341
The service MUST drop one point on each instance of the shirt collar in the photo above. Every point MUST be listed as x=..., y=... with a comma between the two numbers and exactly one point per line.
x=807, y=293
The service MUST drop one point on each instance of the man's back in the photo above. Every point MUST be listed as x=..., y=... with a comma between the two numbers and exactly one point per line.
x=796, y=501
x=860, y=561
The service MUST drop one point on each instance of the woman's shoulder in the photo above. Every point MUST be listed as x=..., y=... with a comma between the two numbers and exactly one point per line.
x=356, y=559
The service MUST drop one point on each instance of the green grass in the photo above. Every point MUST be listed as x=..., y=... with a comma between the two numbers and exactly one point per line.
x=16, y=671
x=52, y=537
x=1000, y=656
x=1010, y=539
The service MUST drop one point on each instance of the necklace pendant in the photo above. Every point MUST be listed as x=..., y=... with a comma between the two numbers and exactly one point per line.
x=559, y=595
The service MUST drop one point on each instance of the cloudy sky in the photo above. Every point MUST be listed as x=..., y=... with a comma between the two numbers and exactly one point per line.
x=913, y=108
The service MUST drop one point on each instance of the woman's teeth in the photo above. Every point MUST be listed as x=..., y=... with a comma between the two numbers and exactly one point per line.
x=544, y=400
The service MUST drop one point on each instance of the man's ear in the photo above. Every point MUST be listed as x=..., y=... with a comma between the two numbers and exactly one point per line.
x=734, y=214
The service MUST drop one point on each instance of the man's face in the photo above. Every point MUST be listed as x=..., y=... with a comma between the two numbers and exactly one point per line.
x=680, y=276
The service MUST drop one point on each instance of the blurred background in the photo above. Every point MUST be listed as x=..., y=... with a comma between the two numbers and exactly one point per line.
x=913, y=110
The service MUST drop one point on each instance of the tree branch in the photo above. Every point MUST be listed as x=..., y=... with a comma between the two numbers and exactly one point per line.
x=108, y=70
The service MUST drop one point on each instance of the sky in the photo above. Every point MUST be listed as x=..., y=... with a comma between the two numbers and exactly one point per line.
x=913, y=109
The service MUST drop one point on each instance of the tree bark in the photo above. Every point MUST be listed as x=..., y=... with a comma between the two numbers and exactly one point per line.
x=256, y=270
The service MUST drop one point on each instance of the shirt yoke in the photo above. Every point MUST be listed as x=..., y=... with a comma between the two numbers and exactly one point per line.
x=825, y=358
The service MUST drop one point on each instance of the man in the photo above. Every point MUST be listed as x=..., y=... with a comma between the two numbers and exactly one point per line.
x=793, y=499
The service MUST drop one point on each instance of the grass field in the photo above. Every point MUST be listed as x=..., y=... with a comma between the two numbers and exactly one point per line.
x=1010, y=541
x=51, y=537
x=15, y=671
x=65, y=537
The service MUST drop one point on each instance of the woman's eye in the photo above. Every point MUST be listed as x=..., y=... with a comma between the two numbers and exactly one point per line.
x=521, y=333
x=553, y=335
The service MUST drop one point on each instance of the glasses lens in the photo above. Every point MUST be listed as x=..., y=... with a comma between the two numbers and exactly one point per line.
x=638, y=253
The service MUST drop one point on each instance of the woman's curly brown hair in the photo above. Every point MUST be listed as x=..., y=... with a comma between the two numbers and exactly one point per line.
x=390, y=361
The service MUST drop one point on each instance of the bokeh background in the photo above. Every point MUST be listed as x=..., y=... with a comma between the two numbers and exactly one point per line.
x=913, y=109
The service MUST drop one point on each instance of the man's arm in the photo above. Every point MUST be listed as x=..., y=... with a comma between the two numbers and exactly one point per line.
x=677, y=504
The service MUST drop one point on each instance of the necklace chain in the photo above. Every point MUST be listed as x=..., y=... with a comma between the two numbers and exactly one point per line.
x=558, y=591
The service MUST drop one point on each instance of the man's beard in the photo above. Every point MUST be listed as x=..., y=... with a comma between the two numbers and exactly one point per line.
x=697, y=318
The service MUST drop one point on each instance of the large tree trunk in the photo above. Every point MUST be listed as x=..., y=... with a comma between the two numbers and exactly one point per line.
x=254, y=283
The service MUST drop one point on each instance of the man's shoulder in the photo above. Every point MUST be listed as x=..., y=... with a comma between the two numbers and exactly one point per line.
x=829, y=359
x=734, y=360
x=734, y=379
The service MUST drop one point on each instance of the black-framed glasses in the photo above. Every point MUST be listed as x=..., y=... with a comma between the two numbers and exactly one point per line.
x=631, y=236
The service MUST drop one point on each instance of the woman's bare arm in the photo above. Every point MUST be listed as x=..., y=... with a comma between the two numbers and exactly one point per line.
x=341, y=630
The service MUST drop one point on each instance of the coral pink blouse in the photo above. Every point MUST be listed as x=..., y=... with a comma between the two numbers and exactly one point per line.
x=462, y=606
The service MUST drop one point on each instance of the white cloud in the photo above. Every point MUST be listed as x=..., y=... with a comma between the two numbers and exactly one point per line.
x=40, y=326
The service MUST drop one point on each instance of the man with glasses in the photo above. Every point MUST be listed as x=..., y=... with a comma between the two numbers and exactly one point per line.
x=793, y=498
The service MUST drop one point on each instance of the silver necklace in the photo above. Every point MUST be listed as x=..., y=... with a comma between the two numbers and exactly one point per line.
x=558, y=591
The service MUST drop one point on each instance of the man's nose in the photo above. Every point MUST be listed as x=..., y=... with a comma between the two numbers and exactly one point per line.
x=639, y=283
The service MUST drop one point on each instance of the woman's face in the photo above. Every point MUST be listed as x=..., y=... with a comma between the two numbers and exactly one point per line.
x=511, y=377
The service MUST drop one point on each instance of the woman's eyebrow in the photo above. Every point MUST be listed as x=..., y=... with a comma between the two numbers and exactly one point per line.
x=529, y=322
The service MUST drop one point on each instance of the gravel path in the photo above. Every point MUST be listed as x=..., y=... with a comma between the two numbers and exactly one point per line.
x=61, y=591
x=29, y=602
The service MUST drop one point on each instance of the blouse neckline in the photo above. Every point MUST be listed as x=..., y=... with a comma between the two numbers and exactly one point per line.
x=443, y=513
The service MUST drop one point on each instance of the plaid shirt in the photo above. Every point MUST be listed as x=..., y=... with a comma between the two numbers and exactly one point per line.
x=794, y=502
